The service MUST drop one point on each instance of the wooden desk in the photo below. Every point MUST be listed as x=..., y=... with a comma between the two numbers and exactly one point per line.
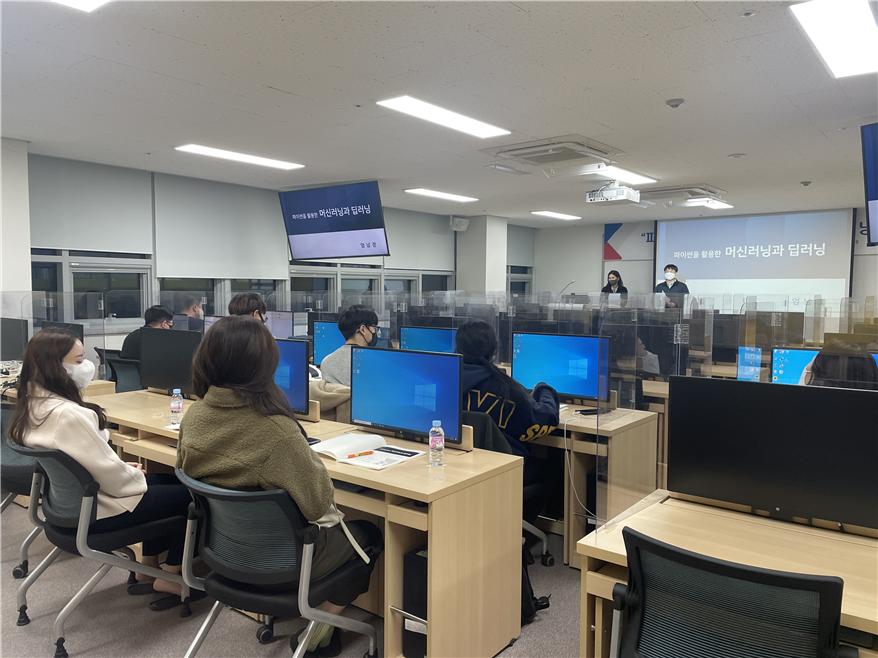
x=95, y=387
x=467, y=513
x=728, y=535
x=625, y=442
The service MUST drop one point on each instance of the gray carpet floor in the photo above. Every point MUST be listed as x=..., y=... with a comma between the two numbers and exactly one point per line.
x=111, y=624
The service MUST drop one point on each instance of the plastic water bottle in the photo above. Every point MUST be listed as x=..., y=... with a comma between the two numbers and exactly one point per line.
x=437, y=444
x=176, y=407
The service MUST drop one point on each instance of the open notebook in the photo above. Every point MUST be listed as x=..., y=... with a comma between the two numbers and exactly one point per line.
x=368, y=450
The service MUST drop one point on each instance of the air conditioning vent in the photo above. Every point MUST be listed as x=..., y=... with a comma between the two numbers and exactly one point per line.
x=555, y=150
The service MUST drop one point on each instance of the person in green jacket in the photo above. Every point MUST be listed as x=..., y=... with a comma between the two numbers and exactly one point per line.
x=243, y=434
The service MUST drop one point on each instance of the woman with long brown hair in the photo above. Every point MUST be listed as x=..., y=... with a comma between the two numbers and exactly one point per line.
x=50, y=413
x=242, y=434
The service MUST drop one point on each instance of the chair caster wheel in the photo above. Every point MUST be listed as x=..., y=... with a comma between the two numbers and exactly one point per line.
x=60, y=651
x=185, y=610
x=370, y=655
x=547, y=560
x=265, y=634
x=20, y=571
x=23, y=619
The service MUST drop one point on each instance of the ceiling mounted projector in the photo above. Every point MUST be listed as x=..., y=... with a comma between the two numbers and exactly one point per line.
x=613, y=194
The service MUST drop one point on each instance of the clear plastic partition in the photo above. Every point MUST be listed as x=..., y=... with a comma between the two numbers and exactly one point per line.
x=192, y=303
x=15, y=328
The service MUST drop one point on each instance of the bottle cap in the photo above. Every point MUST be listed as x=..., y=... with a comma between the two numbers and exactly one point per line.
x=176, y=391
x=437, y=423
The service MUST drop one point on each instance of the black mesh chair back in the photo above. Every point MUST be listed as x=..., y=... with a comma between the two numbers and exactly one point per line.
x=687, y=605
x=65, y=484
x=126, y=373
x=486, y=434
x=248, y=536
x=16, y=470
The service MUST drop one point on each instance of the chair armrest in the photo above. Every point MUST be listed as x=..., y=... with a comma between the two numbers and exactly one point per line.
x=309, y=536
x=619, y=592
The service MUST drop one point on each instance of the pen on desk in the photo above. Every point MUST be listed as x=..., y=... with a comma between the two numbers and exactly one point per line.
x=359, y=454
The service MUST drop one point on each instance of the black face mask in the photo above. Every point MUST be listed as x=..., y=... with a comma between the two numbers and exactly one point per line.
x=374, y=340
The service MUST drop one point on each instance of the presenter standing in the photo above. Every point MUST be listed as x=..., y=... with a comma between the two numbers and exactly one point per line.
x=674, y=290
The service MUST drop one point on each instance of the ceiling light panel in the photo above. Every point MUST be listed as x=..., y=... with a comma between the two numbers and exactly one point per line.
x=708, y=202
x=447, y=196
x=246, y=158
x=555, y=215
x=87, y=6
x=844, y=32
x=441, y=116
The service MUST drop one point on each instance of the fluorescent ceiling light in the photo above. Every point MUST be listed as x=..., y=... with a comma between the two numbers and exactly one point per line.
x=843, y=32
x=238, y=157
x=554, y=215
x=615, y=173
x=447, y=196
x=447, y=118
x=82, y=5
x=708, y=202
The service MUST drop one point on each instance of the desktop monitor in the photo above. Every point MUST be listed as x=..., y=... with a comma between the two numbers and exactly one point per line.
x=788, y=364
x=577, y=367
x=327, y=339
x=166, y=359
x=209, y=320
x=181, y=322
x=404, y=392
x=279, y=323
x=13, y=339
x=749, y=363
x=875, y=356
x=71, y=328
x=427, y=339
x=291, y=374
x=790, y=451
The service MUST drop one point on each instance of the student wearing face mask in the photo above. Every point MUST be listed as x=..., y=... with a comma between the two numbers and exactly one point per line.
x=155, y=317
x=674, y=290
x=50, y=413
x=359, y=326
x=614, y=284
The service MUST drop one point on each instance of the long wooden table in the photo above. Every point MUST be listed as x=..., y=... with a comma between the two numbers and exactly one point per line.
x=735, y=536
x=468, y=515
x=620, y=444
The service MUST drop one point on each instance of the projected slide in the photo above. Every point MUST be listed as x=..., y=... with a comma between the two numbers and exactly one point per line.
x=790, y=254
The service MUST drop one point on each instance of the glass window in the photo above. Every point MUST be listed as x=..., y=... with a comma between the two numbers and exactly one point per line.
x=265, y=287
x=358, y=291
x=44, y=278
x=120, y=292
x=519, y=287
x=432, y=282
x=310, y=284
x=519, y=269
x=107, y=254
x=398, y=285
x=174, y=293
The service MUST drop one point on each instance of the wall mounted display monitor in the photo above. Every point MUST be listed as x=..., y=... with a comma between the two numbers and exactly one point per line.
x=404, y=392
x=327, y=339
x=787, y=456
x=869, y=138
x=291, y=374
x=166, y=359
x=13, y=339
x=338, y=221
x=577, y=367
x=749, y=363
x=279, y=323
x=70, y=327
x=427, y=339
x=788, y=364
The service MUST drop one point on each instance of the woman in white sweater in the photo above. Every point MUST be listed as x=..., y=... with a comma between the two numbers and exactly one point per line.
x=50, y=413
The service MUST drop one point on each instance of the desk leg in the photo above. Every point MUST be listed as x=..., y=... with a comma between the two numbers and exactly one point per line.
x=586, y=612
x=603, y=626
x=577, y=467
x=398, y=540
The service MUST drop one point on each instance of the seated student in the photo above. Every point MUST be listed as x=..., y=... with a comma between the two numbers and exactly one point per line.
x=522, y=415
x=192, y=308
x=242, y=433
x=248, y=303
x=155, y=317
x=842, y=366
x=50, y=413
x=359, y=326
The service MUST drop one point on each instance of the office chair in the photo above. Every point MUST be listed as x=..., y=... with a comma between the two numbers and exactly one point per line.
x=102, y=357
x=487, y=436
x=259, y=549
x=16, y=477
x=678, y=603
x=126, y=373
x=67, y=494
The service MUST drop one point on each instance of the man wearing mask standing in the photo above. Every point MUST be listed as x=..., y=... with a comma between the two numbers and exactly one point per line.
x=359, y=326
x=674, y=290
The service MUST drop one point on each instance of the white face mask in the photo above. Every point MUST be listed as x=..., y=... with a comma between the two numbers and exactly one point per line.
x=670, y=276
x=80, y=373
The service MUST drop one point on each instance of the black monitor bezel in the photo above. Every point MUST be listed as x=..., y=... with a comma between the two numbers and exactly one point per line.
x=783, y=347
x=414, y=326
x=74, y=328
x=406, y=433
x=303, y=411
x=563, y=395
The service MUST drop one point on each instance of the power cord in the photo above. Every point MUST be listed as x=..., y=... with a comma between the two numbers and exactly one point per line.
x=570, y=468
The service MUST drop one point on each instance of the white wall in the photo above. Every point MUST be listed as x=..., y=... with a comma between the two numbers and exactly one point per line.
x=88, y=206
x=481, y=256
x=15, y=274
x=418, y=241
x=496, y=241
x=865, y=279
x=520, y=245
x=566, y=254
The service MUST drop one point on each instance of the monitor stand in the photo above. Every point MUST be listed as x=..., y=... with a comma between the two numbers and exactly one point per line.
x=313, y=415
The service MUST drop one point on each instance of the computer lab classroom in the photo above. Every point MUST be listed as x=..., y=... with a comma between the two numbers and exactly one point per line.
x=439, y=329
